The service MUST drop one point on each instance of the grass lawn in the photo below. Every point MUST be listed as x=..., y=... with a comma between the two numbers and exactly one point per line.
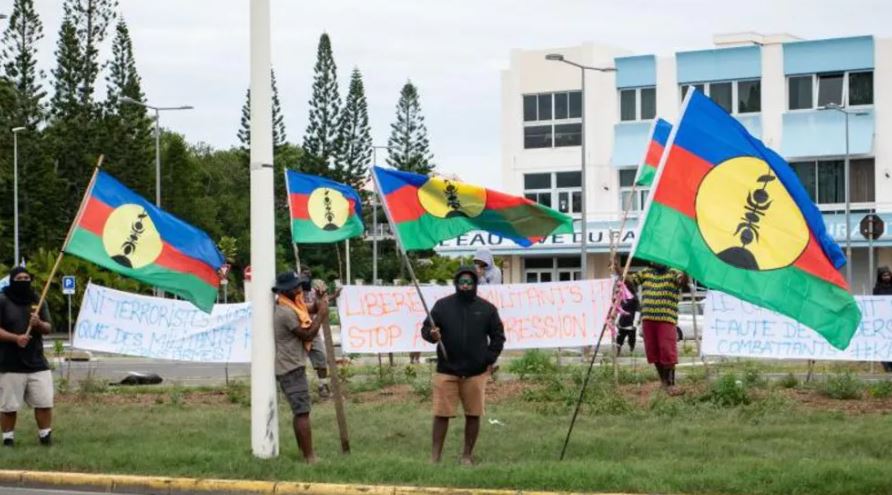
x=721, y=437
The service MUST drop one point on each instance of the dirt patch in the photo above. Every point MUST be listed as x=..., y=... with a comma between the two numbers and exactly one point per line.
x=812, y=399
x=210, y=398
x=389, y=395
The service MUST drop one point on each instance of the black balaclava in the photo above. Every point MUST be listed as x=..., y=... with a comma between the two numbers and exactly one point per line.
x=880, y=271
x=466, y=295
x=20, y=291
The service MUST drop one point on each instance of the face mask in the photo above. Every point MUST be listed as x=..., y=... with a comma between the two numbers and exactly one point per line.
x=306, y=285
x=465, y=291
x=20, y=291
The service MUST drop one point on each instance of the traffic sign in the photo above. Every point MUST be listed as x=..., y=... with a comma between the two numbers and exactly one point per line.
x=68, y=285
x=872, y=226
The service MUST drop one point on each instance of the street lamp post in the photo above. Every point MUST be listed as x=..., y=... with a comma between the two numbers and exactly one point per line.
x=375, y=218
x=15, y=194
x=557, y=57
x=846, y=178
x=127, y=99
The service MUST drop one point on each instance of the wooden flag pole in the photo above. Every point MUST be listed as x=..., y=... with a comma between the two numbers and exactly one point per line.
x=80, y=212
x=402, y=250
x=340, y=414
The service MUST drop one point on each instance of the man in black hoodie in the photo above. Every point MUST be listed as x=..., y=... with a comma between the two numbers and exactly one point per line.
x=472, y=334
x=25, y=376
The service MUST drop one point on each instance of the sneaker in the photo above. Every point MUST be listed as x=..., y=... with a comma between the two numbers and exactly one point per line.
x=9, y=442
x=324, y=391
x=47, y=440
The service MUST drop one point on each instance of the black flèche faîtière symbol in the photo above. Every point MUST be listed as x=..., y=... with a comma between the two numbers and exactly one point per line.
x=757, y=203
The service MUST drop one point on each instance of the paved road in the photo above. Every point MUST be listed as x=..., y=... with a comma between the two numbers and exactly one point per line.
x=173, y=372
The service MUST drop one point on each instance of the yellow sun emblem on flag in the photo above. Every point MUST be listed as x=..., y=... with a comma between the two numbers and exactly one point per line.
x=747, y=217
x=446, y=198
x=328, y=208
x=130, y=237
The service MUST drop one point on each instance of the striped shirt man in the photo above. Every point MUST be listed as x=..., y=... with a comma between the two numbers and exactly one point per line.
x=660, y=293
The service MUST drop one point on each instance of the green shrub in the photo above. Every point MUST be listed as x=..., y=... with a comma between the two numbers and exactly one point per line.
x=728, y=391
x=880, y=390
x=238, y=392
x=752, y=376
x=422, y=387
x=533, y=364
x=789, y=381
x=842, y=386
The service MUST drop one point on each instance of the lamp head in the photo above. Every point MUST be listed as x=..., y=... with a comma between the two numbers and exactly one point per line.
x=556, y=57
x=16, y=130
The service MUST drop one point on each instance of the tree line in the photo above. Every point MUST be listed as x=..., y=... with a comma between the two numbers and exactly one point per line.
x=67, y=127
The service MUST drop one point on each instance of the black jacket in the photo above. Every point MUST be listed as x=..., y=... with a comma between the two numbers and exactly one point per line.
x=472, y=333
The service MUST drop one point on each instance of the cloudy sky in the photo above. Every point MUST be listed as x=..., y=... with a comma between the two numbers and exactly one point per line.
x=196, y=52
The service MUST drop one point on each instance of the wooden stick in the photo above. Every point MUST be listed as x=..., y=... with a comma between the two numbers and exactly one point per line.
x=80, y=212
x=336, y=387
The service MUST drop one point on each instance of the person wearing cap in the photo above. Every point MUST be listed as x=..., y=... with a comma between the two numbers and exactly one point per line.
x=470, y=331
x=292, y=327
x=25, y=375
x=487, y=271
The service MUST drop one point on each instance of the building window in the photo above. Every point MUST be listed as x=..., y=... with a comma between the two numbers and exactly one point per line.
x=861, y=88
x=560, y=268
x=635, y=202
x=559, y=190
x=552, y=120
x=736, y=97
x=840, y=88
x=637, y=104
x=825, y=180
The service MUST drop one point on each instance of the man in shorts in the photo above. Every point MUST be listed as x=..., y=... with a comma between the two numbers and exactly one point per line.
x=473, y=336
x=292, y=327
x=25, y=375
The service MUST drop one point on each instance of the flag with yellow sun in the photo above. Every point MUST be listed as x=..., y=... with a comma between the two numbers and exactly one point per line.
x=426, y=210
x=732, y=213
x=322, y=210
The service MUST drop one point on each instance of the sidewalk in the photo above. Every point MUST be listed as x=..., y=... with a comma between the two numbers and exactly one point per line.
x=191, y=486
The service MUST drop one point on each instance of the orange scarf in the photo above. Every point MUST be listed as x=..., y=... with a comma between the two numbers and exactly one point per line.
x=300, y=309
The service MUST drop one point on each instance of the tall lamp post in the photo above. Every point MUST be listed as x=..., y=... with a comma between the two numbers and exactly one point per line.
x=375, y=218
x=158, y=110
x=15, y=194
x=846, y=173
x=557, y=57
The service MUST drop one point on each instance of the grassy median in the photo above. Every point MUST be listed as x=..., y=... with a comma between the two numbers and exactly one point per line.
x=732, y=432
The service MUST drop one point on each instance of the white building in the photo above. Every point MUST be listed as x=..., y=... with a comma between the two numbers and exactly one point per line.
x=774, y=85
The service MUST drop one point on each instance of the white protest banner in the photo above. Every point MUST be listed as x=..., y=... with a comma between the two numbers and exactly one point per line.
x=737, y=328
x=557, y=314
x=123, y=323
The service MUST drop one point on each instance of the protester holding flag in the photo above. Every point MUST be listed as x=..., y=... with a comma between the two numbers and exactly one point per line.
x=471, y=331
x=660, y=292
x=292, y=327
x=25, y=375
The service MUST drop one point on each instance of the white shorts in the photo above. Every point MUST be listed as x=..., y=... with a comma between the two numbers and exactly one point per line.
x=34, y=389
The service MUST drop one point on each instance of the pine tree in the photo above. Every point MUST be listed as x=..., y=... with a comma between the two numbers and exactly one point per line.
x=127, y=129
x=91, y=19
x=321, y=138
x=355, y=137
x=19, y=63
x=408, y=143
x=279, y=136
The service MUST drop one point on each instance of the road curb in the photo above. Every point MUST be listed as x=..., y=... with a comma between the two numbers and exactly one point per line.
x=160, y=485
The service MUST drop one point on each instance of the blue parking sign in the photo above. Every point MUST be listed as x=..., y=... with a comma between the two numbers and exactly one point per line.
x=68, y=285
